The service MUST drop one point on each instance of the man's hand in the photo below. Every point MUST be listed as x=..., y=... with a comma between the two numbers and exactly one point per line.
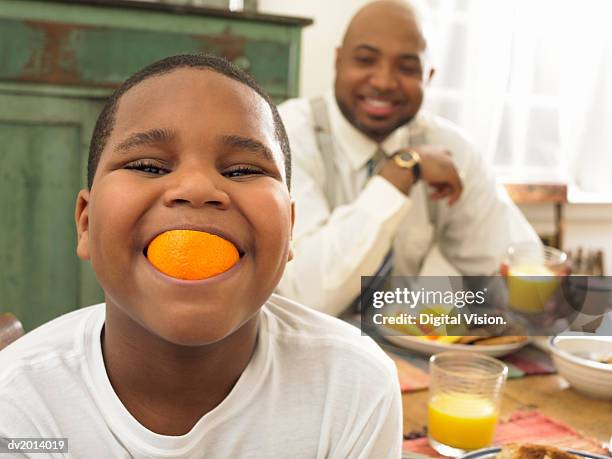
x=437, y=170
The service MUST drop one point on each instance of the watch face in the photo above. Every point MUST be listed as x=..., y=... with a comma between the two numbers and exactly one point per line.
x=406, y=159
x=406, y=156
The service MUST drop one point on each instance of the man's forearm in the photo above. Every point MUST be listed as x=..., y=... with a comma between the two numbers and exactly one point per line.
x=329, y=260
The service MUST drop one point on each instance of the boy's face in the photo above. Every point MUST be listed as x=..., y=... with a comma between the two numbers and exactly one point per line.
x=189, y=149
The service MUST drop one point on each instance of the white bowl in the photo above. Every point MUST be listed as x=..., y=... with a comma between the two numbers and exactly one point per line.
x=586, y=376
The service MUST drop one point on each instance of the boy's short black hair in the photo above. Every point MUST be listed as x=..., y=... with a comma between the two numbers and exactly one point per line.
x=106, y=119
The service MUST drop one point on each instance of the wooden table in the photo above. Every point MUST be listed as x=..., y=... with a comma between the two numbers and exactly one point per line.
x=550, y=394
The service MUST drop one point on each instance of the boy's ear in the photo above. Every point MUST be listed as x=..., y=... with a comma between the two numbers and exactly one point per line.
x=81, y=218
x=290, y=254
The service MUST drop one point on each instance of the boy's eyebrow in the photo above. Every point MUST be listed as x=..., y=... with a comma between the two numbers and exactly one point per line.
x=145, y=138
x=249, y=144
x=167, y=135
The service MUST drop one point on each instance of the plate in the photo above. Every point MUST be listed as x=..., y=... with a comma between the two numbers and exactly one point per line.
x=429, y=347
x=490, y=453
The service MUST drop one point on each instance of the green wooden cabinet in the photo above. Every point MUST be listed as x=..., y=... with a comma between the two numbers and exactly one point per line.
x=59, y=60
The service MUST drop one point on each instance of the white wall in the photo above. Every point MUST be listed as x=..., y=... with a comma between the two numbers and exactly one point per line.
x=319, y=40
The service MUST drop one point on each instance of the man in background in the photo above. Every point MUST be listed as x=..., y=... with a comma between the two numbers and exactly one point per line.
x=377, y=181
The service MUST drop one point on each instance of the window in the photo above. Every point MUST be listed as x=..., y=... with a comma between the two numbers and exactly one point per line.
x=528, y=81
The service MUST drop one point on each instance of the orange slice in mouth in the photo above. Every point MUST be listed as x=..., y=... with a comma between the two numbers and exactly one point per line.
x=191, y=255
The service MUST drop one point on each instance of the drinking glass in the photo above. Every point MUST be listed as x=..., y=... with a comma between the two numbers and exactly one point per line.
x=464, y=397
x=533, y=276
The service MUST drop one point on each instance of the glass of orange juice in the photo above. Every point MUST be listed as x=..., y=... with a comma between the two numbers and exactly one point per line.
x=464, y=396
x=533, y=276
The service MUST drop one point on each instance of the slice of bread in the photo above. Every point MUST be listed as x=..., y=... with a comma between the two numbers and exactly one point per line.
x=496, y=340
x=528, y=451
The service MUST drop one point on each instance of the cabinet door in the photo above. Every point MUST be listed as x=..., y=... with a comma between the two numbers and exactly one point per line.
x=43, y=142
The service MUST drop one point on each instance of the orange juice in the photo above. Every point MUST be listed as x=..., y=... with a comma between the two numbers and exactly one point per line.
x=530, y=286
x=459, y=420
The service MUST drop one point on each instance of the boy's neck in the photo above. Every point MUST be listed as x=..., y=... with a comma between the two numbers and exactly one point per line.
x=182, y=382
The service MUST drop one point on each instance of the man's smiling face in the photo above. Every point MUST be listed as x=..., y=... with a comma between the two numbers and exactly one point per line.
x=189, y=149
x=379, y=70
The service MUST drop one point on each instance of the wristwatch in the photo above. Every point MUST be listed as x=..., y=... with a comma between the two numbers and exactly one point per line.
x=409, y=159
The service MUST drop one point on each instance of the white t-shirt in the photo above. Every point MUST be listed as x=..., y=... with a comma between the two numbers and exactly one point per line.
x=314, y=388
x=371, y=216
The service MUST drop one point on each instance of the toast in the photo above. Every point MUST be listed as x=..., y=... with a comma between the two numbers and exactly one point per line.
x=529, y=451
x=496, y=340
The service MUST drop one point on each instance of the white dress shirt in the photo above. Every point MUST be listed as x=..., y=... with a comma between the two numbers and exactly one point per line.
x=337, y=243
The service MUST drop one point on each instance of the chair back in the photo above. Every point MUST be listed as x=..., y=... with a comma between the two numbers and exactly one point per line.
x=10, y=329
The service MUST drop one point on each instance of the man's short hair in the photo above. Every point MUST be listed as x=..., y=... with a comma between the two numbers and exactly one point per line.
x=106, y=119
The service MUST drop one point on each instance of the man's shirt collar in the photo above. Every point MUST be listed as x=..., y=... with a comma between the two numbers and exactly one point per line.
x=358, y=147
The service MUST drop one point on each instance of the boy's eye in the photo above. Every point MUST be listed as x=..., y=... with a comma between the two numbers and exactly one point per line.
x=147, y=167
x=242, y=171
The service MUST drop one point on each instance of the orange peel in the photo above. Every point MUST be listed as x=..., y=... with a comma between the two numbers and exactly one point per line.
x=191, y=255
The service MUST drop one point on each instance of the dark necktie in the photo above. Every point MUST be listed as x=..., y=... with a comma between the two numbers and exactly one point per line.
x=382, y=276
x=375, y=161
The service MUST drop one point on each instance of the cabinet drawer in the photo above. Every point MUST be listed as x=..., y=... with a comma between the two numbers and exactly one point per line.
x=76, y=54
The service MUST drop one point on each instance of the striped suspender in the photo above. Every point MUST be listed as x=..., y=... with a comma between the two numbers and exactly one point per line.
x=326, y=147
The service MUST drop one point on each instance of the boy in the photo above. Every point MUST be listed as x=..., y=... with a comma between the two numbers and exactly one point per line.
x=195, y=368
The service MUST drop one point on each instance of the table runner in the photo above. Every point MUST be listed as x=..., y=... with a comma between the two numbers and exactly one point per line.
x=412, y=368
x=524, y=426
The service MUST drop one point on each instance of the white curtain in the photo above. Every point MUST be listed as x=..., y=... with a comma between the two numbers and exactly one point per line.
x=530, y=81
x=586, y=93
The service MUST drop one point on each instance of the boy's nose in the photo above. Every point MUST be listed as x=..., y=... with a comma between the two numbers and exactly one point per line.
x=196, y=189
